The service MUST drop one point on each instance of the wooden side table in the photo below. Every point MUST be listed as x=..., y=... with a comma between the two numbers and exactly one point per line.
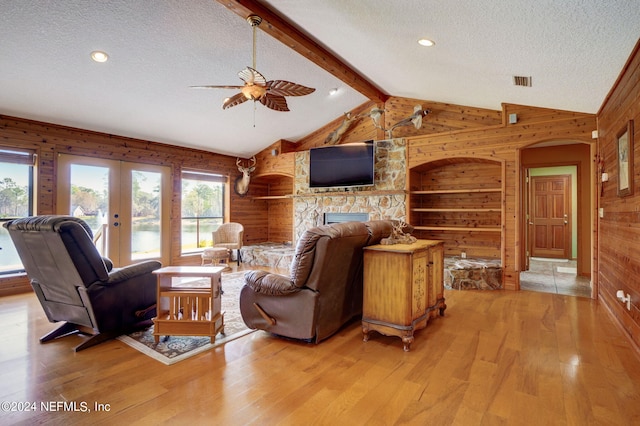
x=403, y=288
x=186, y=308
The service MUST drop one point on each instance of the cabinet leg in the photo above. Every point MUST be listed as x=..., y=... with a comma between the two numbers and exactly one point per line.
x=406, y=341
x=365, y=333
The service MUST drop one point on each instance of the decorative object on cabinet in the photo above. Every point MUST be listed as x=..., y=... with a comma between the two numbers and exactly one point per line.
x=398, y=234
x=403, y=288
x=624, y=145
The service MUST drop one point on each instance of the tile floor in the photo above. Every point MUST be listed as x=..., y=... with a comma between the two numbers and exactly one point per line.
x=554, y=276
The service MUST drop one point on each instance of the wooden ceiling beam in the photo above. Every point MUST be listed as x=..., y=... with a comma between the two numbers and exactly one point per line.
x=293, y=37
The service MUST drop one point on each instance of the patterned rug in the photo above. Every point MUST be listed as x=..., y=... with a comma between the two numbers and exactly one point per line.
x=173, y=349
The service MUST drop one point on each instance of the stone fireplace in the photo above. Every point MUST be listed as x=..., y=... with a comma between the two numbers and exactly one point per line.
x=385, y=200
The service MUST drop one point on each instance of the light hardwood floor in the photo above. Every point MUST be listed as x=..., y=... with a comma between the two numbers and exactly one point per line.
x=496, y=357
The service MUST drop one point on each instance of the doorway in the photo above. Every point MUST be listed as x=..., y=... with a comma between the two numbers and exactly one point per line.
x=556, y=218
x=127, y=205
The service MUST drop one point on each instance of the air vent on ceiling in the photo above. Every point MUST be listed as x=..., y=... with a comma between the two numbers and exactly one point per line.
x=519, y=80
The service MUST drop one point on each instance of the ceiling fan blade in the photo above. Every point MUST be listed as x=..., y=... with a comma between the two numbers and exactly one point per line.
x=234, y=100
x=275, y=102
x=251, y=76
x=287, y=88
x=216, y=87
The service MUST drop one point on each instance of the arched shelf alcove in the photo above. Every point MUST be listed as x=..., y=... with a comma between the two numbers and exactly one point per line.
x=461, y=202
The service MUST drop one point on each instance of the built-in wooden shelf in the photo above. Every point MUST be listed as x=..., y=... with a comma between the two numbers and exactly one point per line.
x=456, y=229
x=273, y=197
x=463, y=210
x=460, y=201
x=457, y=191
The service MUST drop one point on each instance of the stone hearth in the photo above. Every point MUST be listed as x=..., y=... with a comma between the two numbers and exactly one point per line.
x=274, y=255
x=472, y=274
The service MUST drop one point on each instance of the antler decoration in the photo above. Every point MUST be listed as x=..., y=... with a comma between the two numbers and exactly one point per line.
x=415, y=119
x=375, y=114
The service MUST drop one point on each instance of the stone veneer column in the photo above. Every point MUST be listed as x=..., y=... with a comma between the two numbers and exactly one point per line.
x=385, y=200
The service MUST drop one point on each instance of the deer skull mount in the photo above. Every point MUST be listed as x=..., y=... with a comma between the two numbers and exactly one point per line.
x=242, y=182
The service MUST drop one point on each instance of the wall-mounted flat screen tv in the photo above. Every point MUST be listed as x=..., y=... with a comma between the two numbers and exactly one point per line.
x=344, y=165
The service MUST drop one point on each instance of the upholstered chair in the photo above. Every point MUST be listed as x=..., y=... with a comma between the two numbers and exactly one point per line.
x=229, y=235
x=77, y=286
x=324, y=288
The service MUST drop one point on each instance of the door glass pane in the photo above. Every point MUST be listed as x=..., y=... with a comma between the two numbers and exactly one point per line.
x=15, y=195
x=89, y=200
x=145, y=214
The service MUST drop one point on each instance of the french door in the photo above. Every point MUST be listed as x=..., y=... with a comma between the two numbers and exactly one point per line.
x=127, y=205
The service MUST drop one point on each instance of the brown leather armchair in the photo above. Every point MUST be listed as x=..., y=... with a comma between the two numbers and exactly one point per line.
x=324, y=289
x=76, y=285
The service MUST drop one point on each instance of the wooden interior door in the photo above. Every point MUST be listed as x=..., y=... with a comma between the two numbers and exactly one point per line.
x=550, y=216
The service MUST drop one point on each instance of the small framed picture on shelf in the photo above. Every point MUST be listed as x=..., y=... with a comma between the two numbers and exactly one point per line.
x=624, y=145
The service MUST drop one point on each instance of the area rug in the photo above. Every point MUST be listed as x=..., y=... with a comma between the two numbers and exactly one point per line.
x=172, y=349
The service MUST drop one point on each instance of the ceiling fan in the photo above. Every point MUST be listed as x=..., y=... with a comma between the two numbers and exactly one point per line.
x=256, y=87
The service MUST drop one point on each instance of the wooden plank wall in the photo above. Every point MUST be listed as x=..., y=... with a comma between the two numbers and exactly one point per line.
x=503, y=143
x=48, y=140
x=619, y=230
x=442, y=118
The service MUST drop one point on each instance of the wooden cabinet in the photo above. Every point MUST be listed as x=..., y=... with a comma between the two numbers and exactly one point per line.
x=189, y=302
x=403, y=288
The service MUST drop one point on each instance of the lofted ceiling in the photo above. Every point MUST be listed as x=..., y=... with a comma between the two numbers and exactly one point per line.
x=573, y=50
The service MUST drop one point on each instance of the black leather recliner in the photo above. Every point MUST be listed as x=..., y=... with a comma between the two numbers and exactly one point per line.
x=76, y=285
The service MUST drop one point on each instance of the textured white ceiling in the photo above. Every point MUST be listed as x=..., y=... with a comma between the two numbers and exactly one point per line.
x=572, y=49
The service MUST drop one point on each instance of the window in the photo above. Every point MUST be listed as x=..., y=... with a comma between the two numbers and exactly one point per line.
x=202, y=208
x=16, y=200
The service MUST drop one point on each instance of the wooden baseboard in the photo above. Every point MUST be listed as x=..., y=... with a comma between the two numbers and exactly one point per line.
x=621, y=327
x=14, y=284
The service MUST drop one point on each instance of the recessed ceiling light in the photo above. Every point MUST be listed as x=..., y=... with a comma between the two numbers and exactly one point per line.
x=333, y=91
x=99, y=56
x=426, y=42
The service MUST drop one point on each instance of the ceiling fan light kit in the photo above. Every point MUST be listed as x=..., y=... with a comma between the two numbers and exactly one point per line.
x=256, y=87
